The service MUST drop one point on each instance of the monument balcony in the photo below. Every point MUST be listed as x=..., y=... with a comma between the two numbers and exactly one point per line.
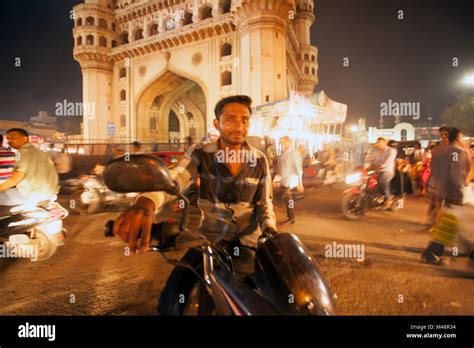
x=176, y=37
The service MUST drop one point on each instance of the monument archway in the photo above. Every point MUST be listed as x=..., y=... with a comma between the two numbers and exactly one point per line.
x=171, y=108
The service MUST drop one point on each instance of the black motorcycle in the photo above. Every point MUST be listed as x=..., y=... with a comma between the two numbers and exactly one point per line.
x=285, y=281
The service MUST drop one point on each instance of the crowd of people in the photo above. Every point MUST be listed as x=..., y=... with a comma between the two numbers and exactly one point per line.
x=441, y=172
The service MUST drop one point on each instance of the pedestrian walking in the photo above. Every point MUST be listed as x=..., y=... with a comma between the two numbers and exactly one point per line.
x=434, y=208
x=454, y=159
x=291, y=168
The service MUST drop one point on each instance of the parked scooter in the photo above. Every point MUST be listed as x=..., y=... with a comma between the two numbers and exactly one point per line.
x=70, y=183
x=32, y=230
x=94, y=196
x=365, y=195
x=286, y=280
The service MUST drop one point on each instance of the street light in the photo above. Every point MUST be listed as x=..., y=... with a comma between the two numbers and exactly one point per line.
x=354, y=129
x=468, y=80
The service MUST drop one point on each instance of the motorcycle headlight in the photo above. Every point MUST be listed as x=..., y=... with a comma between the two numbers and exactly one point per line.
x=353, y=178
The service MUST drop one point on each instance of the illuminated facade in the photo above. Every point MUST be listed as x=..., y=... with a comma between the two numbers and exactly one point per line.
x=153, y=70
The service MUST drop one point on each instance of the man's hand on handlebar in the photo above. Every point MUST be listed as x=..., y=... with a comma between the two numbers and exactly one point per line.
x=268, y=233
x=135, y=223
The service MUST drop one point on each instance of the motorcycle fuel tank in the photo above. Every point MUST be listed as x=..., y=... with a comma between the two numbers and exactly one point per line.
x=288, y=276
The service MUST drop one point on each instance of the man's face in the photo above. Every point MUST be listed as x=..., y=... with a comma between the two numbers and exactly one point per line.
x=16, y=140
x=233, y=123
x=444, y=137
x=381, y=144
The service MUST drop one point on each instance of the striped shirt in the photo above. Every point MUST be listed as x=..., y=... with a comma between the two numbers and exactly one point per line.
x=7, y=163
x=232, y=207
x=41, y=179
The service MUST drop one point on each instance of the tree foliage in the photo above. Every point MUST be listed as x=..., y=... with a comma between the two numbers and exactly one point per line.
x=461, y=114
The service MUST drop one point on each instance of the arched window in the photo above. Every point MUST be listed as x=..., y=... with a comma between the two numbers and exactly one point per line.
x=124, y=38
x=89, y=40
x=306, y=70
x=79, y=22
x=123, y=95
x=403, y=135
x=206, y=13
x=153, y=29
x=103, y=23
x=313, y=58
x=306, y=56
x=188, y=18
x=226, y=78
x=226, y=4
x=79, y=41
x=138, y=34
x=123, y=73
x=153, y=126
x=226, y=50
x=173, y=122
x=90, y=21
x=114, y=43
x=313, y=71
x=103, y=41
x=123, y=121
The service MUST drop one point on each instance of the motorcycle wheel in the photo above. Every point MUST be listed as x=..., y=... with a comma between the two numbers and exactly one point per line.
x=78, y=207
x=97, y=206
x=46, y=247
x=91, y=208
x=351, y=206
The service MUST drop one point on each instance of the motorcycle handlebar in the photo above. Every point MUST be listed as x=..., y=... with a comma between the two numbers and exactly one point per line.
x=109, y=230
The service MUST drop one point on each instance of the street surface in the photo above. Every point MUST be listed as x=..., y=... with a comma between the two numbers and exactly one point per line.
x=91, y=275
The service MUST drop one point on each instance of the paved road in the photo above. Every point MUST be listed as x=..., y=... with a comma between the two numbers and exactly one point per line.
x=91, y=275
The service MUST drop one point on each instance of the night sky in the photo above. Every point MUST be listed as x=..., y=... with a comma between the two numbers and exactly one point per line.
x=407, y=60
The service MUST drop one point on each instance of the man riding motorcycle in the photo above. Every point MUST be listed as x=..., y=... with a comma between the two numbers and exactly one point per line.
x=235, y=198
x=34, y=176
x=381, y=157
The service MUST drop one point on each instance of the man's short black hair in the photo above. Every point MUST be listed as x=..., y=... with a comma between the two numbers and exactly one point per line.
x=444, y=129
x=137, y=144
x=240, y=99
x=454, y=133
x=19, y=130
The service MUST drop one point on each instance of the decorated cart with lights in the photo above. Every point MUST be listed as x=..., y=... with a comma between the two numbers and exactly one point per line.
x=308, y=120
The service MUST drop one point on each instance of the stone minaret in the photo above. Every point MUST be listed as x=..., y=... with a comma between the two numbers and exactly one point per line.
x=94, y=36
x=262, y=28
x=307, y=54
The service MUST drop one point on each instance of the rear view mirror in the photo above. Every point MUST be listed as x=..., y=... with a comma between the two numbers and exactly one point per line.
x=139, y=173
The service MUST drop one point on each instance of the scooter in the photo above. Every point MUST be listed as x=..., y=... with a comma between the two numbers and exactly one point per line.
x=286, y=280
x=93, y=197
x=365, y=195
x=70, y=183
x=33, y=230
